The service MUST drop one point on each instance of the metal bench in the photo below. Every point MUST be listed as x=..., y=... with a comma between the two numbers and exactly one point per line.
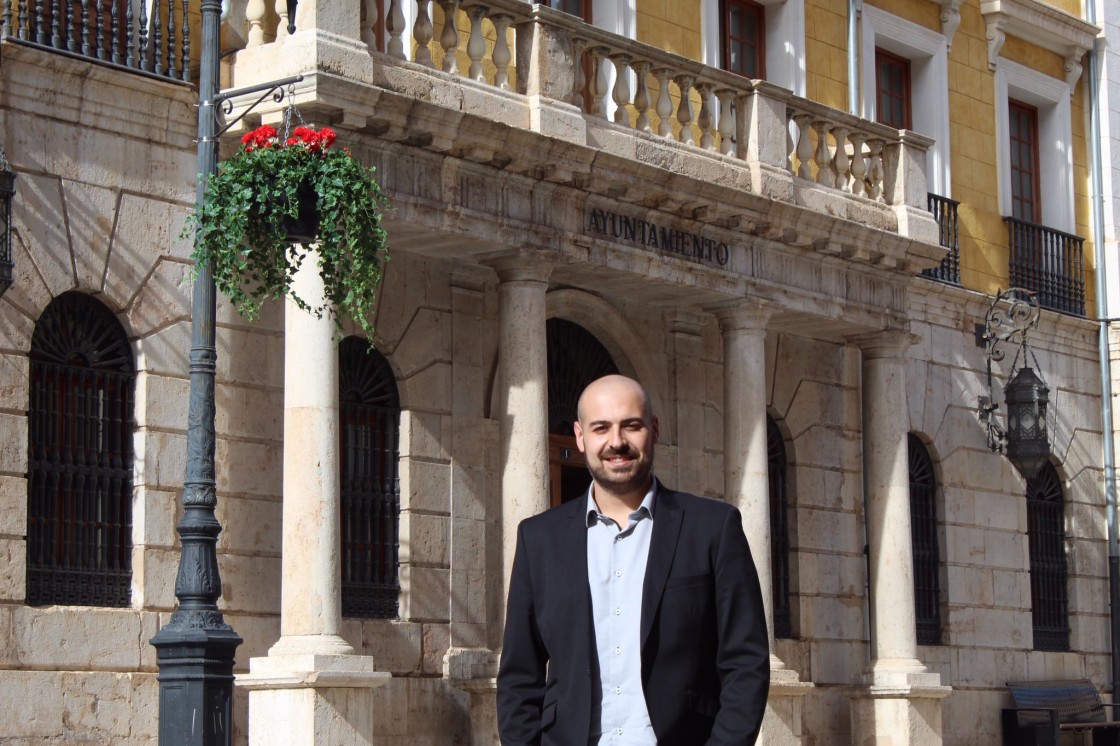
x=1046, y=709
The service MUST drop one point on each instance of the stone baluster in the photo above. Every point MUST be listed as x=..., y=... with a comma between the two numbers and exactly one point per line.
x=502, y=54
x=369, y=24
x=598, y=82
x=684, y=109
x=804, y=146
x=664, y=103
x=422, y=32
x=875, y=169
x=579, y=47
x=859, y=167
x=476, y=44
x=255, y=13
x=641, y=96
x=449, y=38
x=726, y=121
x=621, y=88
x=840, y=157
x=705, y=119
x=394, y=24
x=821, y=155
x=281, y=7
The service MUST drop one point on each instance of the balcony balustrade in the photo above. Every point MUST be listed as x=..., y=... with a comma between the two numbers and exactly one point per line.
x=149, y=36
x=945, y=213
x=528, y=50
x=1049, y=262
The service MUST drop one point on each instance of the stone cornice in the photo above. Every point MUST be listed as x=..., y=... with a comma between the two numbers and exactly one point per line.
x=1041, y=24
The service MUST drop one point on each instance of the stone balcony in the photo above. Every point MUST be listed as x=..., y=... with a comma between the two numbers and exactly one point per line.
x=525, y=99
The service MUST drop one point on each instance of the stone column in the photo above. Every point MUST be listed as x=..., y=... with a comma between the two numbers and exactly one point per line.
x=747, y=485
x=897, y=701
x=522, y=401
x=310, y=688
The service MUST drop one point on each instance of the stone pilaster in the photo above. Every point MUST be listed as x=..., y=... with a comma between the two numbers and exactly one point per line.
x=310, y=688
x=896, y=702
x=747, y=485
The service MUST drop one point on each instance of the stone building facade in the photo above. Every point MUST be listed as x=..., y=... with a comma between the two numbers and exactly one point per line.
x=571, y=197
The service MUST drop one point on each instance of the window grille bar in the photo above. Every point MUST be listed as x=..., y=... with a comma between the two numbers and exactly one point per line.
x=106, y=31
x=945, y=213
x=924, y=537
x=779, y=532
x=1048, y=570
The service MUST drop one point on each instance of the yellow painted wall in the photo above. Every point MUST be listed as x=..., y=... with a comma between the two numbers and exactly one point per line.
x=670, y=25
x=826, y=52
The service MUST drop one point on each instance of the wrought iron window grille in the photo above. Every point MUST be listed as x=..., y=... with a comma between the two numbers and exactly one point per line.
x=1046, y=535
x=924, y=534
x=779, y=530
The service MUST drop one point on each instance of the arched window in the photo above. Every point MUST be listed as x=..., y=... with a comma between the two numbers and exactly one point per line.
x=923, y=531
x=369, y=414
x=79, y=477
x=779, y=529
x=575, y=359
x=1046, y=533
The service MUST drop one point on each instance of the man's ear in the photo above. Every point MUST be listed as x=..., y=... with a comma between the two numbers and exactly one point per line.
x=579, y=436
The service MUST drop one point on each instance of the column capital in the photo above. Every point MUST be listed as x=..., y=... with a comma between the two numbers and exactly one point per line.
x=683, y=321
x=741, y=315
x=888, y=343
x=522, y=268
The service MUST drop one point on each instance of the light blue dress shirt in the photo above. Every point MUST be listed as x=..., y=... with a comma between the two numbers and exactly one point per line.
x=616, y=571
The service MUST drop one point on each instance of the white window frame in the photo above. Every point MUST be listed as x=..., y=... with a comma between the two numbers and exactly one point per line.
x=785, y=40
x=928, y=53
x=1055, y=140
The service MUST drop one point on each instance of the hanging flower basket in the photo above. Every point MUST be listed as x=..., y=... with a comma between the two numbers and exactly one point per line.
x=275, y=200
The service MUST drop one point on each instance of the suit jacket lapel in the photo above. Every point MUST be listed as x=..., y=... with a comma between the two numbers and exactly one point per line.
x=662, y=547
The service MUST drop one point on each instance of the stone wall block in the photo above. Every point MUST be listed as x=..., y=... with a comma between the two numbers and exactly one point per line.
x=424, y=486
x=250, y=525
x=13, y=443
x=428, y=387
x=251, y=468
x=470, y=493
x=161, y=401
x=160, y=459
x=251, y=357
x=91, y=215
x=258, y=632
x=473, y=439
x=424, y=594
x=395, y=645
x=14, y=378
x=833, y=662
x=153, y=577
x=250, y=584
x=162, y=300
x=468, y=596
x=437, y=639
x=85, y=639
x=249, y=412
x=422, y=436
x=13, y=576
x=166, y=351
x=426, y=340
x=32, y=703
x=424, y=539
x=13, y=506
x=40, y=215
x=154, y=515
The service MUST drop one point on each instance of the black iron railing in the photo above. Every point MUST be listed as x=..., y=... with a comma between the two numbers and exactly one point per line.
x=1049, y=262
x=150, y=36
x=945, y=213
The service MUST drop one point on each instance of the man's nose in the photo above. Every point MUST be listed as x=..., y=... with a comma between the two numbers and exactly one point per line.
x=614, y=438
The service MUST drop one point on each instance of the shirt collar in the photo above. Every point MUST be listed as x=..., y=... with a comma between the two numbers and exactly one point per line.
x=647, y=503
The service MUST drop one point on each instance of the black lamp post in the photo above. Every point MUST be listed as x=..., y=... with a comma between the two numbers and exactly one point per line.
x=7, y=192
x=195, y=650
x=1026, y=439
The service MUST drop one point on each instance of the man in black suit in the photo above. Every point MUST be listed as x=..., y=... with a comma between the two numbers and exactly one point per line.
x=635, y=615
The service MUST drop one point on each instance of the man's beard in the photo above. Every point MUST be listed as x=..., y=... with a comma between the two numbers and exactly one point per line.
x=616, y=482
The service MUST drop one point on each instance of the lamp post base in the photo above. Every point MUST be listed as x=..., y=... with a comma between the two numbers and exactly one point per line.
x=195, y=683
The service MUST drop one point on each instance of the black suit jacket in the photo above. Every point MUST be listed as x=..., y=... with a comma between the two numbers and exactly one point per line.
x=705, y=658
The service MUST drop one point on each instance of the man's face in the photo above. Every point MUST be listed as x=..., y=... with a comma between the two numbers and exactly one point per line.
x=617, y=433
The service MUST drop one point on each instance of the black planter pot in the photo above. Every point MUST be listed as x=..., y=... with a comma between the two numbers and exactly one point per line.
x=305, y=226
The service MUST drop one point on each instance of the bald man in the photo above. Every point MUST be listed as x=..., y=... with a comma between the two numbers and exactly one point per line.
x=635, y=614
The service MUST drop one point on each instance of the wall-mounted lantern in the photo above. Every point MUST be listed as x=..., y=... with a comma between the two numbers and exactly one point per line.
x=7, y=192
x=1025, y=439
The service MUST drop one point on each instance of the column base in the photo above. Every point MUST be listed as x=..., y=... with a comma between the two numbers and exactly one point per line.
x=311, y=699
x=893, y=707
x=781, y=725
x=475, y=671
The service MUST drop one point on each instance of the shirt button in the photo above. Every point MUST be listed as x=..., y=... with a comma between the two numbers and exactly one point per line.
x=617, y=612
x=618, y=651
x=618, y=573
x=620, y=731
